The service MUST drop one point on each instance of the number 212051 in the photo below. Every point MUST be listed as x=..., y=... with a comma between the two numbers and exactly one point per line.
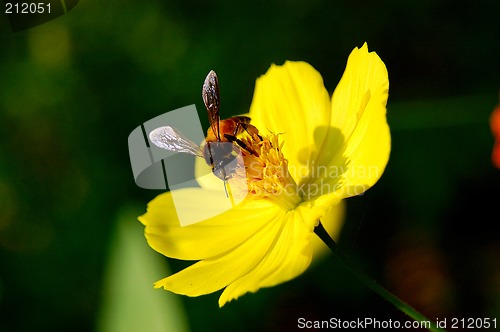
x=27, y=8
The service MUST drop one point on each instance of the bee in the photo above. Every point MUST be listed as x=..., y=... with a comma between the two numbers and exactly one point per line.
x=222, y=145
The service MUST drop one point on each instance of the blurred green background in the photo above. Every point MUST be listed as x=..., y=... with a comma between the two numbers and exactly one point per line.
x=72, y=253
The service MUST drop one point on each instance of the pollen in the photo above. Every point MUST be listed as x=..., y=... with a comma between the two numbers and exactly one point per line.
x=266, y=170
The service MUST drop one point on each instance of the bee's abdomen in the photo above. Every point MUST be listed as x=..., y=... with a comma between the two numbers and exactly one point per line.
x=219, y=156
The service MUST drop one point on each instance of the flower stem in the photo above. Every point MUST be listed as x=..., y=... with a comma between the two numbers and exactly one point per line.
x=373, y=285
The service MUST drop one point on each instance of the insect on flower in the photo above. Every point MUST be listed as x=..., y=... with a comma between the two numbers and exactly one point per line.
x=289, y=177
x=222, y=144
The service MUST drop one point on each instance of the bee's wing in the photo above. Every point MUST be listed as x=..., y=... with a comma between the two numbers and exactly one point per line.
x=171, y=139
x=210, y=95
x=242, y=119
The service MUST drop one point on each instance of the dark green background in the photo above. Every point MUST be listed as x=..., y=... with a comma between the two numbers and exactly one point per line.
x=71, y=91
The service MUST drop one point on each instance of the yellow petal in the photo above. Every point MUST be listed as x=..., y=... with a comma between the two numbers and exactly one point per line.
x=292, y=101
x=208, y=238
x=289, y=256
x=210, y=275
x=358, y=144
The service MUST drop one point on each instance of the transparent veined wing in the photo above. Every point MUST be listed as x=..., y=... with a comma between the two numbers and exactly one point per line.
x=211, y=99
x=171, y=139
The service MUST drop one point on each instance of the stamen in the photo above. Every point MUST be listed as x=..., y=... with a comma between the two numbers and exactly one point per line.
x=266, y=170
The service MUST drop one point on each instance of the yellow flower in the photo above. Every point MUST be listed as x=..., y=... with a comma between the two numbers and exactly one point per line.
x=313, y=151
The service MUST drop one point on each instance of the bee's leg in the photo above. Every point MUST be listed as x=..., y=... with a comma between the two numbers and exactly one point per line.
x=242, y=144
x=237, y=129
x=214, y=170
x=211, y=156
x=249, y=129
x=225, y=189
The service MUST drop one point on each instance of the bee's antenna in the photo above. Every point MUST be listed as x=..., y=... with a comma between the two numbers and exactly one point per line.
x=229, y=194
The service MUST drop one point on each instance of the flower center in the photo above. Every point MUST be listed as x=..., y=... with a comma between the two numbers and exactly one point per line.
x=266, y=170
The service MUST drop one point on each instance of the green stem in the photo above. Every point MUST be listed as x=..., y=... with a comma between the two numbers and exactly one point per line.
x=373, y=285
